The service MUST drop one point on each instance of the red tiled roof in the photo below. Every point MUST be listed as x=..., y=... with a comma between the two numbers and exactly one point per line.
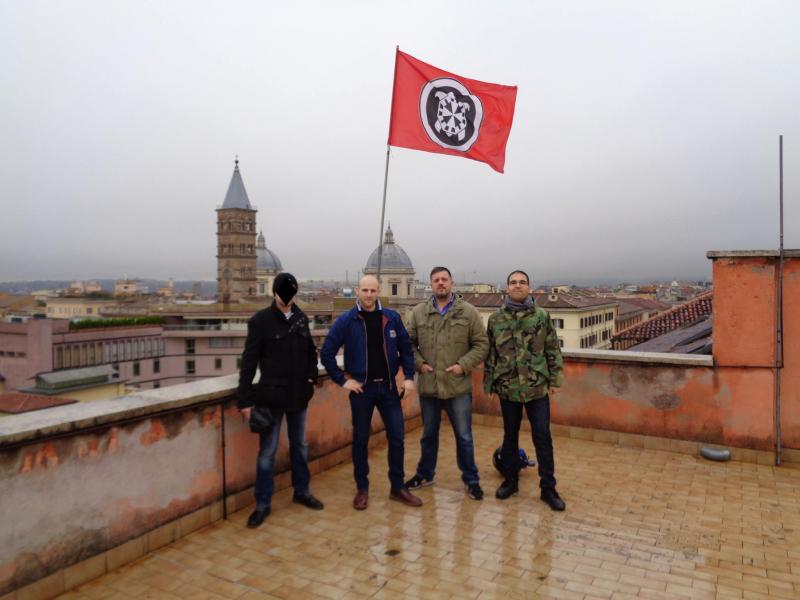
x=631, y=305
x=484, y=300
x=16, y=301
x=17, y=402
x=676, y=318
x=572, y=301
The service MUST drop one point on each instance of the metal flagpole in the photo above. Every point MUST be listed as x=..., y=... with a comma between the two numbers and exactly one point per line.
x=386, y=175
x=779, y=310
x=383, y=216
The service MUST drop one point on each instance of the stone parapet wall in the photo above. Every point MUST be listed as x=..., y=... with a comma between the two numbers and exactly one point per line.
x=80, y=481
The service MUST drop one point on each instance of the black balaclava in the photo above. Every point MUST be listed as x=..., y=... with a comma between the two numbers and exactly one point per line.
x=284, y=287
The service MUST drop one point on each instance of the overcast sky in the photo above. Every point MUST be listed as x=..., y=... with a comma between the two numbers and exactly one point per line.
x=645, y=134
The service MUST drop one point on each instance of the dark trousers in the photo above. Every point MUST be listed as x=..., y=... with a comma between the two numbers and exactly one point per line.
x=298, y=453
x=538, y=412
x=383, y=397
x=459, y=411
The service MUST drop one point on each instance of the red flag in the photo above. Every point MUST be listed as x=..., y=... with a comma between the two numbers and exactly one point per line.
x=437, y=111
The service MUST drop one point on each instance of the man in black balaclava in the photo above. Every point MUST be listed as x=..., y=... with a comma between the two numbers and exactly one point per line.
x=279, y=343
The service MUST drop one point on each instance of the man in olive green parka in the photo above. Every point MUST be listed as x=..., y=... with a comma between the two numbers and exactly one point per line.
x=449, y=341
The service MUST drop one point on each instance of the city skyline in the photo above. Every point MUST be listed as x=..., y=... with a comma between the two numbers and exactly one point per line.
x=644, y=136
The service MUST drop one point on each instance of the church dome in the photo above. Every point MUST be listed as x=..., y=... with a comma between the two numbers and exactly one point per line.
x=394, y=257
x=266, y=258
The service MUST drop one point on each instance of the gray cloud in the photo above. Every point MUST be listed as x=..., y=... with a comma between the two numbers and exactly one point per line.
x=644, y=135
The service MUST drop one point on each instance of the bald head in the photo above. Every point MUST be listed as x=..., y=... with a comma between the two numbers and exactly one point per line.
x=369, y=280
x=367, y=292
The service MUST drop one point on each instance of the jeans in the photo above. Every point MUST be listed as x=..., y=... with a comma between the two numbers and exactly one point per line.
x=298, y=453
x=538, y=411
x=459, y=411
x=385, y=398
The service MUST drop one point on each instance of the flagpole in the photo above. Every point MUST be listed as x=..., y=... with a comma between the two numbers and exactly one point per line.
x=383, y=216
x=386, y=174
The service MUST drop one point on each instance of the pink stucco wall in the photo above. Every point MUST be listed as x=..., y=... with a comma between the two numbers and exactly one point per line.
x=122, y=480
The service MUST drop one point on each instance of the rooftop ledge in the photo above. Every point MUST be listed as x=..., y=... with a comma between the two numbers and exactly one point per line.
x=794, y=253
x=61, y=420
x=652, y=358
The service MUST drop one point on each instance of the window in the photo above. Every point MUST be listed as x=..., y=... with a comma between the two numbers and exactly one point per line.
x=558, y=323
x=137, y=370
x=156, y=385
x=189, y=346
x=89, y=310
x=217, y=363
x=156, y=366
x=394, y=289
x=190, y=367
x=560, y=343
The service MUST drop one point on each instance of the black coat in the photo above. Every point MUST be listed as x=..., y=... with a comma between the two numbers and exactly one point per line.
x=285, y=354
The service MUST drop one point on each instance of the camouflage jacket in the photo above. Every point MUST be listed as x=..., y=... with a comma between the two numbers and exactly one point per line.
x=524, y=356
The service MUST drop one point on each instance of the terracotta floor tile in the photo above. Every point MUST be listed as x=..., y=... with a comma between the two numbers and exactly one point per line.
x=640, y=523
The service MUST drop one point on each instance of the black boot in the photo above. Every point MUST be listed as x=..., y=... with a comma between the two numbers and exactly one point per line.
x=552, y=499
x=508, y=488
x=257, y=518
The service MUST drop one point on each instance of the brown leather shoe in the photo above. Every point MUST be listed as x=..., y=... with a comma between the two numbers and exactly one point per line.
x=361, y=500
x=405, y=497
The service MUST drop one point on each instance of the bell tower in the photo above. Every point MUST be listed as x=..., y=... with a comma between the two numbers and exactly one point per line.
x=236, y=243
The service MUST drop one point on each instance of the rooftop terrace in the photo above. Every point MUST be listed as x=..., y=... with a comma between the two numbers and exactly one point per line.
x=639, y=523
x=124, y=498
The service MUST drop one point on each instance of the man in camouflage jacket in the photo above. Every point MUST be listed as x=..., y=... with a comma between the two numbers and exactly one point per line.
x=524, y=368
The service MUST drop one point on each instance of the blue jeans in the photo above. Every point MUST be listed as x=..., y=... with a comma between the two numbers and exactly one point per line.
x=383, y=397
x=459, y=411
x=538, y=412
x=298, y=453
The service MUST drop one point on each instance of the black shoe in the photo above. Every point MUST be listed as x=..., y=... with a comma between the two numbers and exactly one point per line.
x=257, y=518
x=552, y=499
x=508, y=488
x=474, y=491
x=417, y=482
x=308, y=500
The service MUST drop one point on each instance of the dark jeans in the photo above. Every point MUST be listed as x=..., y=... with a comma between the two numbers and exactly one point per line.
x=298, y=453
x=459, y=411
x=383, y=397
x=538, y=411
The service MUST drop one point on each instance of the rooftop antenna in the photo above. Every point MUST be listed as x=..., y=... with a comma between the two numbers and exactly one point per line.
x=779, y=311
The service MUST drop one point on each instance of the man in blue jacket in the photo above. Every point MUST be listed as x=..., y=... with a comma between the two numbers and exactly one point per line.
x=375, y=344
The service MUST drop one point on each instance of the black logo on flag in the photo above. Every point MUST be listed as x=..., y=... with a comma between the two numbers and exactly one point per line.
x=451, y=116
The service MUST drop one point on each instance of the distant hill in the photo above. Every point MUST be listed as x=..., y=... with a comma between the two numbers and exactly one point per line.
x=209, y=288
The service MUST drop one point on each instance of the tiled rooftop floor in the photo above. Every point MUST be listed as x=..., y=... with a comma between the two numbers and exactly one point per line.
x=639, y=523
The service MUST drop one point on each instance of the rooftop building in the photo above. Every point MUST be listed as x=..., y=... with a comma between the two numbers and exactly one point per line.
x=397, y=272
x=674, y=319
